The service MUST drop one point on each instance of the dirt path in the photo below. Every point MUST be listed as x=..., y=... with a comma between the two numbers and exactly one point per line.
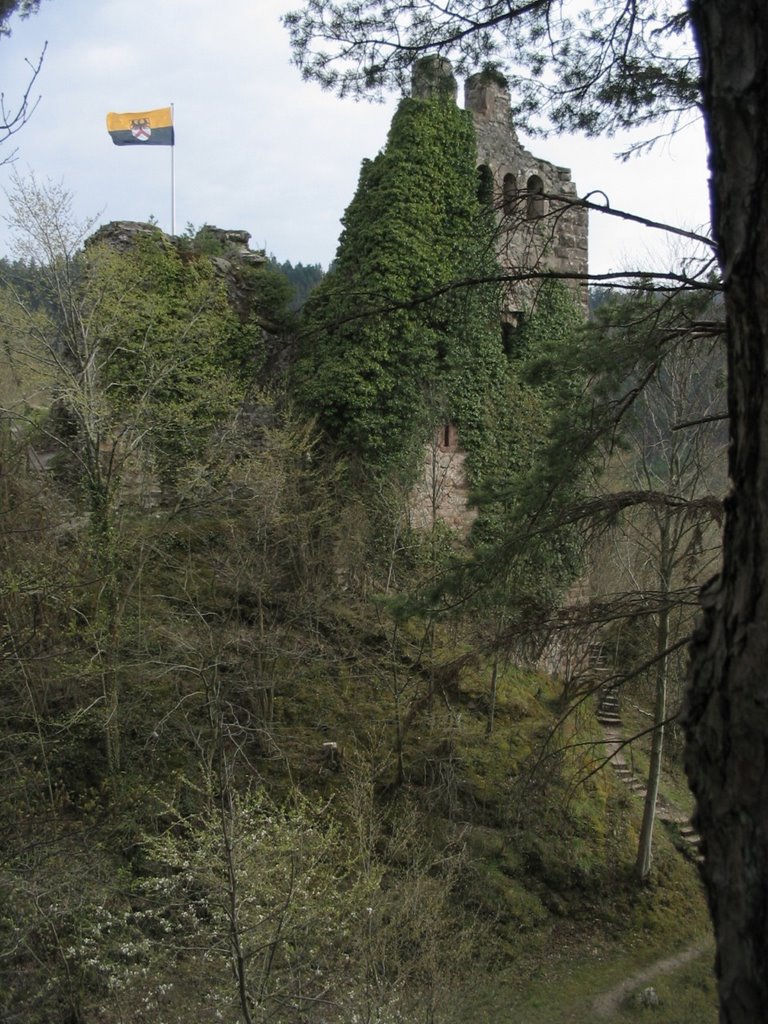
x=608, y=1003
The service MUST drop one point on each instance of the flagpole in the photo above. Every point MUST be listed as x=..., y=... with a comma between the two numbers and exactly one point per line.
x=173, y=176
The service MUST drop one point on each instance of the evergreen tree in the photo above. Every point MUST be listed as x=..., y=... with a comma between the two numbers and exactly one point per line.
x=303, y=278
x=21, y=7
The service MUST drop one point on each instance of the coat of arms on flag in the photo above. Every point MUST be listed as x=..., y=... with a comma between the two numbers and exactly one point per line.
x=142, y=127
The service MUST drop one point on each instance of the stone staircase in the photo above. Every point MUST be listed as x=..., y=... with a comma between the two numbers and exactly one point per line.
x=692, y=839
x=608, y=710
x=609, y=716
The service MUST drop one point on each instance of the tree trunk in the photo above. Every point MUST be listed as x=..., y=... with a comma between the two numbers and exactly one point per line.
x=107, y=624
x=727, y=717
x=643, y=863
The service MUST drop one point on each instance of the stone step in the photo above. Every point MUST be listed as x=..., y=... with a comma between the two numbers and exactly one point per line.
x=691, y=837
x=609, y=720
x=608, y=716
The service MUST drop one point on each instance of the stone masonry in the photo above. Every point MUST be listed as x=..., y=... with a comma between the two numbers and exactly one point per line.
x=541, y=227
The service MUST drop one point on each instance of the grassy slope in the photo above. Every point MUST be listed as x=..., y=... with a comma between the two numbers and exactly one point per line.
x=551, y=857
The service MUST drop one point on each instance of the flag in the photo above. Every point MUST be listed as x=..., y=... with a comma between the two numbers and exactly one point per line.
x=146, y=128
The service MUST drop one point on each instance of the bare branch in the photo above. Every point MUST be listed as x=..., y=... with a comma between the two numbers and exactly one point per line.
x=14, y=117
x=609, y=211
x=705, y=419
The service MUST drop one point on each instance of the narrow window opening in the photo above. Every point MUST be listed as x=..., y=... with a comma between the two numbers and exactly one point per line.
x=485, y=185
x=510, y=337
x=536, y=205
x=509, y=194
x=448, y=438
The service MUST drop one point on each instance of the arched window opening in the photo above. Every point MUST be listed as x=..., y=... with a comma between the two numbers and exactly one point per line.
x=536, y=205
x=509, y=194
x=485, y=185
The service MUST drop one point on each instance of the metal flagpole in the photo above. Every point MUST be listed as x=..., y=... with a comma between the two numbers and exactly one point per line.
x=173, y=175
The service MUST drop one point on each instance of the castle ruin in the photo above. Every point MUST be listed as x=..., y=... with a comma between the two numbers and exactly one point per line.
x=541, y=228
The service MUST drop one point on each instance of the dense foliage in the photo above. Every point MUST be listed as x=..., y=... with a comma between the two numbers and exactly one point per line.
x=174, y=353
x=237, y=782
x=525, y=551
x=393, y=340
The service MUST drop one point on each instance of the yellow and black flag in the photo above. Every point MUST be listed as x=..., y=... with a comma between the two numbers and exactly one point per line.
x=146, y=128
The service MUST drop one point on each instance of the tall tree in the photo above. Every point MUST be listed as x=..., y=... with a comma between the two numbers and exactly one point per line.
x=124, y=365
x=674, y=457
x=615, y=64
x=728, y=717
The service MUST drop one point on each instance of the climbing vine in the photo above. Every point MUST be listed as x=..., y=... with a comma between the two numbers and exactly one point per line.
x=170, y=346
x=521, y=473
x=389, y=348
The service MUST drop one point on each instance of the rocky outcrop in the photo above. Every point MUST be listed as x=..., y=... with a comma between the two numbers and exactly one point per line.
x=232, y=259
x=225, y=247
x=122, y=235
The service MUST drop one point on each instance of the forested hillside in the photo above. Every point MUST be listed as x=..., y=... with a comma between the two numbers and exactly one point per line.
x=270, y=751
x=304, y=278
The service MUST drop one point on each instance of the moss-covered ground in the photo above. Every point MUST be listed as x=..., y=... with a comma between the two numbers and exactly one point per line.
x=550, y=843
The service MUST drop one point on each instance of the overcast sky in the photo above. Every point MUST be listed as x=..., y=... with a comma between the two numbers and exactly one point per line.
x=257, y=148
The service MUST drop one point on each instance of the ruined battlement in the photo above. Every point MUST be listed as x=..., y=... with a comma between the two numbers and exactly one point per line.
x=539, y=225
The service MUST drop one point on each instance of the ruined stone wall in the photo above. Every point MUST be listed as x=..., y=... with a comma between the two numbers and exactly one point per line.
x=442, y=490
x=540, y=227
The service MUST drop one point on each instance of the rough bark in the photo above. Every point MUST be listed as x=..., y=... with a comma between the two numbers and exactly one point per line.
x=727, y=756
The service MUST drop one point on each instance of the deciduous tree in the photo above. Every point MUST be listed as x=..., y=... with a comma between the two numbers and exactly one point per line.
x=672, y=447
x=123, y=370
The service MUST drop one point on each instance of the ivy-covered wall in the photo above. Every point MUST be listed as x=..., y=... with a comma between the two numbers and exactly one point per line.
x=394, y=342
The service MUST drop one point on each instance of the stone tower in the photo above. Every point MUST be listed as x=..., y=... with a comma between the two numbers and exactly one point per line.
x=539, y=228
